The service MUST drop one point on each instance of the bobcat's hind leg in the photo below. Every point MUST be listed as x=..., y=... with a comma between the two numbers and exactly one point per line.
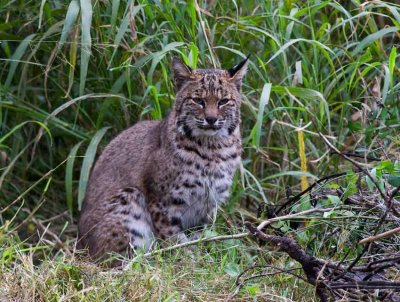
x=132, y=211
x=125, y=224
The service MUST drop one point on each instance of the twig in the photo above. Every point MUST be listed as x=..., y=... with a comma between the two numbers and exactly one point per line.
x=332, y=147
x=297, y=197
x=185, y=244
x=280, y=270
x=384, y=197
x=366, y=285
x=53, y=235
x=380, y=236
x=280, y=218
x=311, y=265
x=358, y=155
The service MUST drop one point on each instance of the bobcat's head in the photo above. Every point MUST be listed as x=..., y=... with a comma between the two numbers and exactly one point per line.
x=208, y=100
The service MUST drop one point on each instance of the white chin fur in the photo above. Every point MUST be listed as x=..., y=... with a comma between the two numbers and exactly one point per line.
x=209, y=132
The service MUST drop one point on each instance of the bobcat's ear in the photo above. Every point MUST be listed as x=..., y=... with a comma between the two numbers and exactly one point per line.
x=182, y=72
x=238, y=71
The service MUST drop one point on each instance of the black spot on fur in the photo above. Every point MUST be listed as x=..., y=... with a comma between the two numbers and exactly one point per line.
x=126, y=212
x=135, y=233
x=187, y=131
x=222, y=189
x=231, y=128
x=191, y=149
x=137, y=216
x=178, y=201
x=229, y=156
x=121, y=243
x=233, y=155
x=188, y=185
x=175, y=221
x=129, y=190
x=218, y=175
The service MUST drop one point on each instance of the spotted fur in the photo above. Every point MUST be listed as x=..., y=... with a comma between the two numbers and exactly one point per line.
x=160, y=178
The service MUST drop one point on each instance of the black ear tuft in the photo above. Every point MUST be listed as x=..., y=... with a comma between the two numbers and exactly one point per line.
x=182, y=72
x=238, y=71
x=232, y=71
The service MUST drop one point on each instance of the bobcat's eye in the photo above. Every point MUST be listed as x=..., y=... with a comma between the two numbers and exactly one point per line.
x=199, y=101
x=223, y=102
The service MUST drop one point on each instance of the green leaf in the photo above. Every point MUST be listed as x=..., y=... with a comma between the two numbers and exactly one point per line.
x=266, y=92
x=392, y=62
x=5, y=136
x=291, y=42
x=41, y=13
x=193, y=55
x=334, y=200
x=232, y=269
x=70, y=18
x=386, y=83
x=373, y=37
x=87, y=164
x=123, y=28
x=253, y=289
x=394, y=180
x=69, y=171
x=329, y=214
x=303, y=93
x=16, y=57
x=86, y=20
x=114, y=12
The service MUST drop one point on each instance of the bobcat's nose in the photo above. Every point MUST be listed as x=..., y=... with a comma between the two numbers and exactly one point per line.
x=211, y=120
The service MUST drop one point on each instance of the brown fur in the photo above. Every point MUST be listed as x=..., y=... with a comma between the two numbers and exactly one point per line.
x=160, y=178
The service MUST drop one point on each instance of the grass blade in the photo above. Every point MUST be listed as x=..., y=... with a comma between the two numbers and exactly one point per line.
x=70, y=18
x=86, y=15
x=304, y=93
x=266, y=92
x=5, y=136
x=392, y=62
x=114, y=12
x=41, y=13
x=123, y=28
x=16, y=57
x=373, y=37
x=291, y=42
x=69, y=172
x=87, y=164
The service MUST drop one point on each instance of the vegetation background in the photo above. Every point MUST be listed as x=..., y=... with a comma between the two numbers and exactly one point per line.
x=75, y=73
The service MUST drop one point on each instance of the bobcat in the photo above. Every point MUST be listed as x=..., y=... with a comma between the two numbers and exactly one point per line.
x=160, y=178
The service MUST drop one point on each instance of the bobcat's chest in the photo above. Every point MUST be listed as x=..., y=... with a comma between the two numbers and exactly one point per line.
x=201, y=188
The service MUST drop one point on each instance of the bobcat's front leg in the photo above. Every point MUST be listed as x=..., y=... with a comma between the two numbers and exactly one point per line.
x=167, y=223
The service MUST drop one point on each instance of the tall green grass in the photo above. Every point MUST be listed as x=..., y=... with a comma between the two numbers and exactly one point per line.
x=73, y=75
